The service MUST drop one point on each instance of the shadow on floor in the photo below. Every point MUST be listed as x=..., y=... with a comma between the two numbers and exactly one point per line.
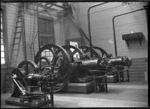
x=124, y=94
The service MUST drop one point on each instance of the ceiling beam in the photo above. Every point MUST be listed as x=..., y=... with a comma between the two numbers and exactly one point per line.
x=59, y=6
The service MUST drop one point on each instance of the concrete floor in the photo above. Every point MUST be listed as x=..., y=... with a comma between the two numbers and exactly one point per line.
x=124, y=94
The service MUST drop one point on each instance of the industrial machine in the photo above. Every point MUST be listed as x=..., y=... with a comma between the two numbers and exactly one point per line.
x=80, y=68
x=116, y=71
x=34, y=89
x=34, y=81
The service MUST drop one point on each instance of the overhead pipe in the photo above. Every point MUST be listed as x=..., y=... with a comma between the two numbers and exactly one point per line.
x=89, y=27
x=115, y=44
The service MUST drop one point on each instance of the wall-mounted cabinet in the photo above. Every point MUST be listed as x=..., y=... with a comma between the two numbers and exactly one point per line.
x=133, y=36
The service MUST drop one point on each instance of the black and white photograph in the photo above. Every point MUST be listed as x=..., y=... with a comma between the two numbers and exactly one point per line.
x=74, y=54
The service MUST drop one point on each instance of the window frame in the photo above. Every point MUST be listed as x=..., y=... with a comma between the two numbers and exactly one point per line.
x=47, y=18
x=53, y=30
x=5, y=41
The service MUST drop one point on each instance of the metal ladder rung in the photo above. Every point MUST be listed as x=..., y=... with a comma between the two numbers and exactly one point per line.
x=18, y=26
x=17, y=38
x=19, y=21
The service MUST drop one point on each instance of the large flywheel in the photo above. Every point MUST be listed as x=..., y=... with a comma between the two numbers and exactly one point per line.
x=74, y=52
x=101, y=52
x=29, y=67
x=78, y=75
x=60, y=64
x=86, y=50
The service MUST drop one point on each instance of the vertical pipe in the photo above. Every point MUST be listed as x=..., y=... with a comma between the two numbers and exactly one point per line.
x=38, y=32
x=38, y=27
x=89, y=29
x=24, y=38
x=147, y=7
x=89, y=26
x=115, y=44
x=24, y=34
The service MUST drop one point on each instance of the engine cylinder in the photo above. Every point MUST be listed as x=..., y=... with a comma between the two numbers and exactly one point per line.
x=88, y=64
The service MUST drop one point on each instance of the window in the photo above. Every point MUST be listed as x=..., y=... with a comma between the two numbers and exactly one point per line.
x=3, y=61
x=46, y=34
x=73, y=43
x=77, y=42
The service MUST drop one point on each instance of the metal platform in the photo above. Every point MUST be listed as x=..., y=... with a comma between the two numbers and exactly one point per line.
x=16, y=102
x=80, y=87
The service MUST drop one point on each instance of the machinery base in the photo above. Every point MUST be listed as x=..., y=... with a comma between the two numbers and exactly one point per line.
x=112, y=78
x=79, y=87
x=16, y=102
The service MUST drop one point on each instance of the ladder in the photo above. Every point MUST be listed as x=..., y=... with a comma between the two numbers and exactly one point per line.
x=18, y=33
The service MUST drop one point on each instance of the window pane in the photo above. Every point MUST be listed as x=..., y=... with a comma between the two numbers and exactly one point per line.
x=1, y=41
x=49, y=58
x=2, y=54
x=46, y=50
x=1, y=34
x=1, y=24
x=2, y=47
x=2, y=61
x=47, y=53
x=43, y=60
x=43, y=54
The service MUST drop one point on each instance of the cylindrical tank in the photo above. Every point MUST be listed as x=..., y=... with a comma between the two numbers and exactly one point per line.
x=88, y=64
